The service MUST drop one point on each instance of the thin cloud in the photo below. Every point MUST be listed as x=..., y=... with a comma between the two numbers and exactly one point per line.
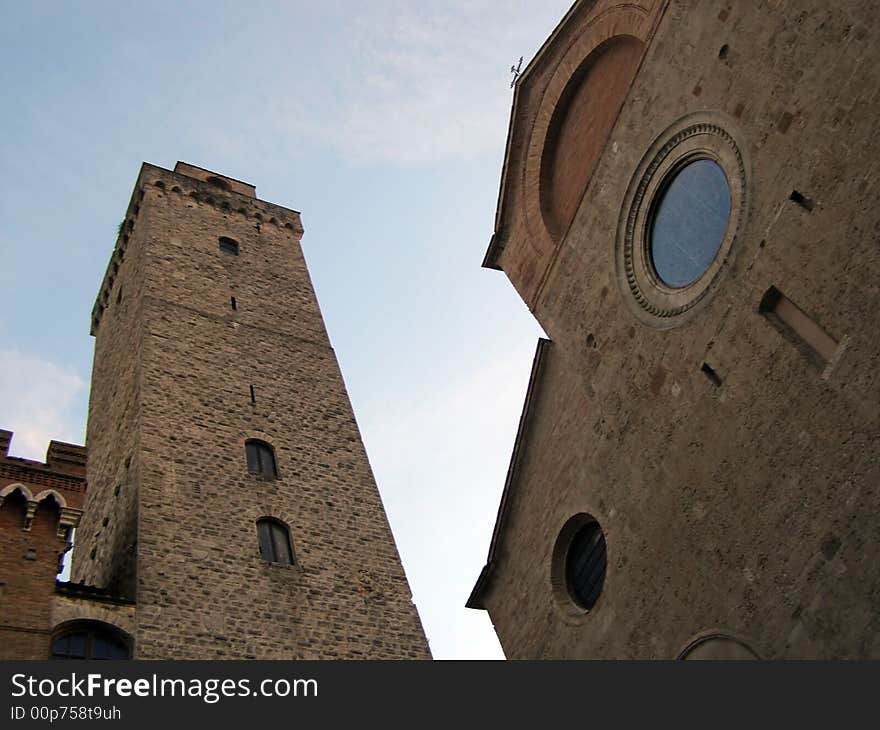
x=38, y=401
x=424, y=84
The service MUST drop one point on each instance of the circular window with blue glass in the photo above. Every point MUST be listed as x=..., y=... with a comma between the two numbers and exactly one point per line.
x=689, y=222
x=681, y=217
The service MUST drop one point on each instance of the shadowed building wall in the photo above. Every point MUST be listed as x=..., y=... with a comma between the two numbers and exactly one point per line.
x=722, y=431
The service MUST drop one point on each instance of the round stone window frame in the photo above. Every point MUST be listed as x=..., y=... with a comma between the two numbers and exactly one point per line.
x=569, y=608
x=705, y=638
x=695, y=137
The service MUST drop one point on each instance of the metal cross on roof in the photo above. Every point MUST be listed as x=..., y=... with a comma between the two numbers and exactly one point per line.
x=515, y=70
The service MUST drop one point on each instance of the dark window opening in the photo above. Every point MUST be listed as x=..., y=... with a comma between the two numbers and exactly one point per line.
x=229, y=246
x=89, y=641
x=234, y=304
x=801, y=200
x=253, y=395
x=219, y=183
x=585, y=565
x=260, y=458
x=710, y=373
x=275, y=544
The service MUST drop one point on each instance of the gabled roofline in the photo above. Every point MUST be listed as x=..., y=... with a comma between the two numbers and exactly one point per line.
x=490, y=260
x=475, y=599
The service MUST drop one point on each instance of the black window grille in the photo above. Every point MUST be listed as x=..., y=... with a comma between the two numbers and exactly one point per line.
x=585, y=565
x=260, y=459
x=275, y=544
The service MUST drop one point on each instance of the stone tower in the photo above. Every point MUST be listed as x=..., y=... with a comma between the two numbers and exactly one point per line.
x=229, y=491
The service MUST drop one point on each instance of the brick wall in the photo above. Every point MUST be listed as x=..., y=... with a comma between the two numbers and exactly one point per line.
x=31, y=543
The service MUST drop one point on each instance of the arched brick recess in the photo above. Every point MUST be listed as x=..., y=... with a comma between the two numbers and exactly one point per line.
x=581, y=123
x=567, y=135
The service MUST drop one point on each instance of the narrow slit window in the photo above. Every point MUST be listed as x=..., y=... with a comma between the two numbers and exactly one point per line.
x=253, y=395
x=228, y=246
x=710, y=373
x=233, y=303
x=801, y=200
x=797, y=326
x=260, y=459
x=274, y=540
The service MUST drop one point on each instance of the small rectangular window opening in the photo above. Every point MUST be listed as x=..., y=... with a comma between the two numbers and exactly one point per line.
x=234, y=304
x=710, y=373
x=801, y=200
x=275, y=544
x=229, y=246
x=253, y=395
x=260, y=459
x=797, y=327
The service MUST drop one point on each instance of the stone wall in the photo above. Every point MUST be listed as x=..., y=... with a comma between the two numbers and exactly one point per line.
x=743, y=503
x=196, y=377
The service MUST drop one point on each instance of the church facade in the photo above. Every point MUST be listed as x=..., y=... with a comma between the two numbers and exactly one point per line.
x=688, y=207
x=227, y=509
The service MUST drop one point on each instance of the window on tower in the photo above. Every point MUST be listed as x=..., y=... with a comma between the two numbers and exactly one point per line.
x=219, y=182
x=274, y=539
x=260, y=458
x=228, y=246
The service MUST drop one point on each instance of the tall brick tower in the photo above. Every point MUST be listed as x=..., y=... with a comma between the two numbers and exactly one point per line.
x=229, y=491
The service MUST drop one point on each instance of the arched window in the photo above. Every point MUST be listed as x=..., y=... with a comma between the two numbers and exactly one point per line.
x=89, y=640
x=13, y=509
x=274, y=539
x=260, y=458
x=219, y=183
x=228, y=246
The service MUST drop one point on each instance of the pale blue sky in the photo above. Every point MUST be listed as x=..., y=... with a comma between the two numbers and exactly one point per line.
x=384, y=123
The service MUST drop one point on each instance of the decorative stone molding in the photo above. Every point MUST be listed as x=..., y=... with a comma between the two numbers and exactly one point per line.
x=47, y=493
x=10, y=488
x=570, y=611
x=717, y=644
x=69, y=521
x=29, y=514
x=694, y=137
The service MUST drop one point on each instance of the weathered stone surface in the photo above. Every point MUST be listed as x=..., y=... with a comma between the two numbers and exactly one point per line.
x=170, y=412
x=746, y=507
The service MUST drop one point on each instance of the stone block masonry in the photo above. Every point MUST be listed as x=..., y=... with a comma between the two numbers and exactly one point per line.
x=182, y=378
